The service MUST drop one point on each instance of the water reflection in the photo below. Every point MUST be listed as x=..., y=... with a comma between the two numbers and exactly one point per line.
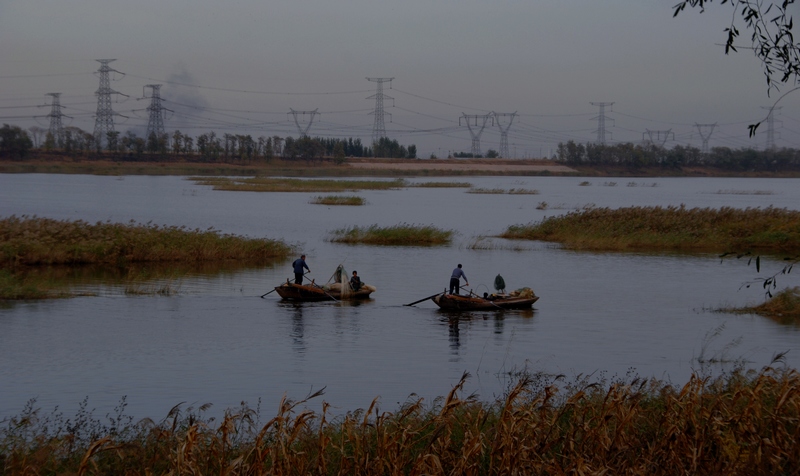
x=458, y=320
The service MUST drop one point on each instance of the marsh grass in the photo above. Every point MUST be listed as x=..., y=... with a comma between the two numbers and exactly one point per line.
x=744, y=192
x=769, y=230
x=742, y=423
x=28, y=241
x=268, y=184
x=403, y=234
x=440, y=184
x=783, y=307
x=501, y=191
x=338, y=200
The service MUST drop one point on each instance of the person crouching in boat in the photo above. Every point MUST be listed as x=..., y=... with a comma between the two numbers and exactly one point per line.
x=455, y=279
x=355, y=281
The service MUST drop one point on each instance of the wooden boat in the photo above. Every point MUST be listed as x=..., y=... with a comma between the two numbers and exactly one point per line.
x=520, y=299
x=314, y=292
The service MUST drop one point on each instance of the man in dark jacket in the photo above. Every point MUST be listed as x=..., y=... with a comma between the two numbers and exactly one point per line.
x=298, y=266
x=455, y=279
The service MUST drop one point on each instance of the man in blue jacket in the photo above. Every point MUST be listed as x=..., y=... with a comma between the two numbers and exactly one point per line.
x=455, y=279
x=298, y=266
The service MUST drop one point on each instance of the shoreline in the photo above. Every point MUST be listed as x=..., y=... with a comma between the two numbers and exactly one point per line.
x=359, y=167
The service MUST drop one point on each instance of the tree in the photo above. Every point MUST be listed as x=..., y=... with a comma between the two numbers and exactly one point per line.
x=771, y=38
x=14, y=142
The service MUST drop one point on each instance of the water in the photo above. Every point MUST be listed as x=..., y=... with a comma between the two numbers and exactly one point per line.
x=218, y=342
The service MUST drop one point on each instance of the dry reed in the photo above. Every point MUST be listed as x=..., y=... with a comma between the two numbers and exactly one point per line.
x=669, y=228
x=397, y=235
x=338, y=200
x=744, y=423
x=267, y=184
x=26, y=241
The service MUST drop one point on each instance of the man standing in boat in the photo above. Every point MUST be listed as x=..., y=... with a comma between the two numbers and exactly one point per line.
x=455, y=279
x=298, y=265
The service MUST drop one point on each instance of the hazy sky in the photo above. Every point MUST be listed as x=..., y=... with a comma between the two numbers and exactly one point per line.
x=240, y=66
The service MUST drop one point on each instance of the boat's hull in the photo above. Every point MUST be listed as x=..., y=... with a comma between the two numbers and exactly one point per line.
x=298, y=292
x=455, y=302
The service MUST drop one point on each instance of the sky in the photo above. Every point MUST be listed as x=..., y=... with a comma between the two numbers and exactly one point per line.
x=242, y=66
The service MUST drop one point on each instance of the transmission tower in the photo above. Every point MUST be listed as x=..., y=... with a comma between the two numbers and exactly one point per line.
x=504, y=131
x=379, y=128
x=771, y=127
x=601, y=120
x=303, y=130
x=104, y=120
x=476, y=136
x=658, y=138
x=155, y=123
x=56, y=129
x=705, y=131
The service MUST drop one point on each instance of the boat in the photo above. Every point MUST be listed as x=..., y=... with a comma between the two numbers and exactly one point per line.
x=313, y=292
x=337, y=289
x=520, y=299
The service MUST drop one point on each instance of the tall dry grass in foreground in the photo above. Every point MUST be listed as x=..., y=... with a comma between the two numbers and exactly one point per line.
x=741, y=424
x=27, y=241
x=397, y=235
x=669, y=228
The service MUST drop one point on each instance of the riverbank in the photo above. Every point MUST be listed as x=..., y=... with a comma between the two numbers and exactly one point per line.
x=356, y=167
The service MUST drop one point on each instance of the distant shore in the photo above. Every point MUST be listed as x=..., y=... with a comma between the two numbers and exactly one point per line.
x=356, y=167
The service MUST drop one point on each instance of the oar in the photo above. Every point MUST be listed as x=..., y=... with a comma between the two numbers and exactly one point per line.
x=423, y=299
x=267, y=293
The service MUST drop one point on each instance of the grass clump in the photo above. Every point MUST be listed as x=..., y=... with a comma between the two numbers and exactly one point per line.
x=397, y=235
x=338, y=200
x=770, y=230
x=442, y=185
x=740, y=424
x=268, y=184
x=783, y=307
x=500, y=191
x=43, y=241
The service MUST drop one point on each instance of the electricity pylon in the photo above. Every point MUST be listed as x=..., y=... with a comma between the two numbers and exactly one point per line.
x=56, y=129
x=705, y=131
x=658, y=138
x=476, y=136
x=771, y=127
x=504, y=152
x=601, y=120
x=155, y=123
x=104, y=120
x=379, y=127
x=304, y=129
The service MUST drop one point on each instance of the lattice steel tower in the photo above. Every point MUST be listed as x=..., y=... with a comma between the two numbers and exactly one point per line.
x=104, y=120
x=155, y=123
x=601, y=120
x=705, y=131
x=56, y=129
x=303, y=130
x=476, y=136
x=504, y=152
x=658, y=138
x=379, y=127
x=771, y=127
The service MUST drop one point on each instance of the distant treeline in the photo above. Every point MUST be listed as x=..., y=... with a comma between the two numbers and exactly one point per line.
x=208, y=147
x=639, y=156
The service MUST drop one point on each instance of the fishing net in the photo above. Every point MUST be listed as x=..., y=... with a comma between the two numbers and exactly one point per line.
x=340, y=281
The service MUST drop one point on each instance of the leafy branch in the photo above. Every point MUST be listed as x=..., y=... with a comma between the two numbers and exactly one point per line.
x=769, y=283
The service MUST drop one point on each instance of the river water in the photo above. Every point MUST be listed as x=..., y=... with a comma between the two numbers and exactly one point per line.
x=217, y=341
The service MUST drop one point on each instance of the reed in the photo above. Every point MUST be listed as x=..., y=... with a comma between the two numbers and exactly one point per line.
x=743, y=423
x=267, y=184
x=28, y=241
x=403, y=234
x=784, y=307
x=339, y=200
x=441, y=185
x=768, y=230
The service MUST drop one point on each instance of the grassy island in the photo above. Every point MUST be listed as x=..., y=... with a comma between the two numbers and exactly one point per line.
x=744, y=423
x=397, y=235
x=32, y=242
x=268, y=184
x=767, y=230
x=338, y=200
